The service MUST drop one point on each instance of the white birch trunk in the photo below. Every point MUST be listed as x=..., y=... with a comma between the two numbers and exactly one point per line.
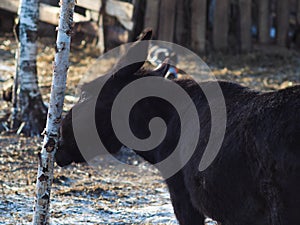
x=46, y=159
x=31, y=109
x=100, y=43
x=14, y=121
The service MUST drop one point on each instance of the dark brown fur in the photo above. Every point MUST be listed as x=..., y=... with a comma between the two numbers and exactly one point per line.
x=254, y=179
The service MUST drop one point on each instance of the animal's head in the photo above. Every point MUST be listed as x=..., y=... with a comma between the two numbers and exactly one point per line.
x=110, y=84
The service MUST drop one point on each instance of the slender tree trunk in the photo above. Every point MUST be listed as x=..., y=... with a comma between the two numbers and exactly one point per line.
x=264, y=21
x=283, y=10
x=32, y=111
x=245, y=24
x=167, y=13
x=101, y=41
x=46, y=159
x=221, y=25
x=198, y=35
x=152, y=15
x=14, y=120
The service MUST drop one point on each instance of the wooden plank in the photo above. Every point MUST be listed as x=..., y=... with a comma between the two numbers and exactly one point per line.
x=123, y=11
x=263, y=23
x=152, y=15
x=50, y=14
x=283, y=11
x=120, y=9
x=94, y=5
x=298, y=12
x=198, y=26
x=167, y=20
x=10, y=5
x=221, y=25
x=180, y=23
x=245, y=24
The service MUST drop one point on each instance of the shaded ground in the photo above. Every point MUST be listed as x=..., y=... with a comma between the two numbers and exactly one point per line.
x=110, y=193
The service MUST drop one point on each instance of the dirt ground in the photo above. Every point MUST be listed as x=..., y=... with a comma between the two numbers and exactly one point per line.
x=109, y=193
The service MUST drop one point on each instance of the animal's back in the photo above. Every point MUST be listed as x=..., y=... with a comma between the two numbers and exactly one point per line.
x=255, y=177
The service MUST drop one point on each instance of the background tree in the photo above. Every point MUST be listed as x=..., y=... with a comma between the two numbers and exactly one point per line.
x=46, y=159
x=29, y=112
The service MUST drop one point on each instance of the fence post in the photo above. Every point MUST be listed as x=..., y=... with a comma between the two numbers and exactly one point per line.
x=181, y=23
x=166, y=27
x=282, y=22
x=245, y=24
x=152, y=15
x=298, y=12
x=263, y=21
x=221, y=25
x=198, y=29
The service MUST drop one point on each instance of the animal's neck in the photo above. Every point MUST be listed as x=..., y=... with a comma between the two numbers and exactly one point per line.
x=142, y=114
x=152, y=107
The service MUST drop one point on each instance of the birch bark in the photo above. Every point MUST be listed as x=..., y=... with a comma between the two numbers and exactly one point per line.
x=46, y=157
x=31, y=109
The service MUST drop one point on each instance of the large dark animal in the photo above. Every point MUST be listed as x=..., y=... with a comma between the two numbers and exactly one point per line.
x=254, y=179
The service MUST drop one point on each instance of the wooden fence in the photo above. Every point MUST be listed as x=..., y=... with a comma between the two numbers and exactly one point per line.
x=122, y=11
x=201, y=25
x=211, y=24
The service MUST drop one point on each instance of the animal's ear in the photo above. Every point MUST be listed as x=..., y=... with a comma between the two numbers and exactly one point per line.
x=162, y=69
x=135, y=56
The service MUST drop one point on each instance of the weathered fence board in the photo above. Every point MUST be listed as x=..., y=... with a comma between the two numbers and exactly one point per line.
x=263, y=23
x=152, y=15
x=167, y=20
x=123, y=11
x=221, y=25
x=198, y=34
x=298, y=11
x=283, y=12
x=50, y=14
x=90, y=4
x=10, y=5
x=180, y=23
x=245, y=24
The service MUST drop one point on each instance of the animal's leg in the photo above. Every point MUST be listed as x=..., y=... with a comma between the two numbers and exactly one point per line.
x=185, y=212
